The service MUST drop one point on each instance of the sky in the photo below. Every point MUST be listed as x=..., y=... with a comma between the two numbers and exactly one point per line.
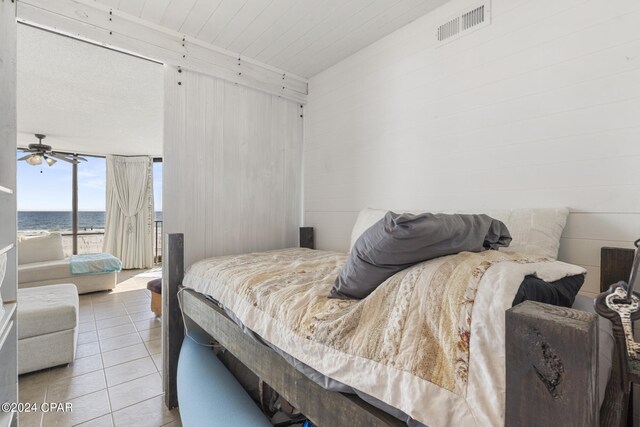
x=44, y=188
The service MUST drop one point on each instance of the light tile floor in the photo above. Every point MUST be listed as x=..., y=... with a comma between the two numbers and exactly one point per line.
x=116, y=377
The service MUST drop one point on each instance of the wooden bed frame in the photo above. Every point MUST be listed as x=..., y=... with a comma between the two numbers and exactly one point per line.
x=551, y=358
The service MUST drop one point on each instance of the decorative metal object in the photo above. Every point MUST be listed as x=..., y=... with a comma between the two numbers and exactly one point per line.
x=624, y=305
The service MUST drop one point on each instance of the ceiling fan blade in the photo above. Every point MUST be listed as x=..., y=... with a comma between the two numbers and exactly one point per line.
x=25, y=157
x=69, y=156
x=61, y=157
x=76, y=159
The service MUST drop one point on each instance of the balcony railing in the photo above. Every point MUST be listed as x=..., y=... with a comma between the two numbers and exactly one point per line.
x=91, y=241
x=157, y=245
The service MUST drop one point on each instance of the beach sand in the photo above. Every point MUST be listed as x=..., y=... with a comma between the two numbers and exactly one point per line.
x=90, y=243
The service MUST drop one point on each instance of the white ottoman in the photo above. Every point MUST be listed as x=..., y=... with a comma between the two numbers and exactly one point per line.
x=47, y=326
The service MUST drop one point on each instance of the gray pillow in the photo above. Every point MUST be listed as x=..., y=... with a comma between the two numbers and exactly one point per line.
x=399, y=241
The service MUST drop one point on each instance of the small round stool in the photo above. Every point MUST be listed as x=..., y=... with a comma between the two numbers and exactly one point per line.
x=155, y=286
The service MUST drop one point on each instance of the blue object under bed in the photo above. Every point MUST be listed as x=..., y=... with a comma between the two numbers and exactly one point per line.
x=95, y=264
x=208, y=394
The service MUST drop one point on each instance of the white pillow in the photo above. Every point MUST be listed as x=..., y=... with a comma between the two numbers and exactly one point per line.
x=45, y=247
x=366, y=218
x=534, y=231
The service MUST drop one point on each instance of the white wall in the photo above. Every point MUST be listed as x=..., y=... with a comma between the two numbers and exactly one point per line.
x=539, y=109
x=232, y=166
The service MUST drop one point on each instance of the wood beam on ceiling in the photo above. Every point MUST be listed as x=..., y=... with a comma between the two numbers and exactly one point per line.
x=93, y=22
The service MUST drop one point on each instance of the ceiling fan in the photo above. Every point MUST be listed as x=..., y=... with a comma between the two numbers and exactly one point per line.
x=38, y=152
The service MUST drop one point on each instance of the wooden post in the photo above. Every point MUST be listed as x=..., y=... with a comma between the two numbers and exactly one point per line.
x=615, y=265
x=615, y=408
x=172, y=325
x=306, y=238
x=552, y=366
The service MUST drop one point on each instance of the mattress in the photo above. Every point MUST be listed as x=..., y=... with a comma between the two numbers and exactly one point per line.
x=282, y=297
x=606, y=345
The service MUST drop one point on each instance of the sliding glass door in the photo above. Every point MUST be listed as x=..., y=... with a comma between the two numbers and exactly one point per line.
x=44, y=195
x=46, y=203
x=91, y=204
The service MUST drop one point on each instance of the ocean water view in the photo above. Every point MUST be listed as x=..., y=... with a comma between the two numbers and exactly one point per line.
x=61, y=220
x=90, y=229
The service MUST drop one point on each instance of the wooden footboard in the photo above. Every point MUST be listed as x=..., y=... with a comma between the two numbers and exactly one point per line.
x=551, y=363
x=323, y=407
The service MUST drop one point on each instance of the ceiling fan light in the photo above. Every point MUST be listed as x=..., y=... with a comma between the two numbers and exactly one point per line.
x=50, y=161
x=35, y=160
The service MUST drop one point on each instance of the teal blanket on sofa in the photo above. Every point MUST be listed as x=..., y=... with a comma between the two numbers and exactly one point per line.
x=95, y=264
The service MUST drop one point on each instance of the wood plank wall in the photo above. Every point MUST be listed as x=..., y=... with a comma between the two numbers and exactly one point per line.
x=8, y=218
x=8, y=98
x=232, y=166
x=539, y=109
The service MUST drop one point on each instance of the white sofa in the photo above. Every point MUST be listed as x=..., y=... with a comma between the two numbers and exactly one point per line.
x=47, y=327
x=41, y=262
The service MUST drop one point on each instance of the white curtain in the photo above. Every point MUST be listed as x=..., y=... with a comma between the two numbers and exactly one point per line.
x=129, y=210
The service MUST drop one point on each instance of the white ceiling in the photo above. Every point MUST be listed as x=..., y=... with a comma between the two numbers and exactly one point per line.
x=86, y=98
x=93, y=100
x=302, y=37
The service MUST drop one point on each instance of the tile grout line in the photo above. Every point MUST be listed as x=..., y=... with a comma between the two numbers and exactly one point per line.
x=136, y=378
x=137, y=403
x=102, y=363
x=46, y=393
x=126, y=346
x=104, y=368
x=104, y=373
x=144, y=400
x=91, y=372
x=89, y=307
x=106, y=388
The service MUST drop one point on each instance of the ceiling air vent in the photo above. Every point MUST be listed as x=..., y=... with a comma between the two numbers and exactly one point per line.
x=449, y=29
x=472, y=18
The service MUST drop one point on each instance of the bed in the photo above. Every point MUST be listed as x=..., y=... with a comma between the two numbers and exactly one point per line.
x=271, y=309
